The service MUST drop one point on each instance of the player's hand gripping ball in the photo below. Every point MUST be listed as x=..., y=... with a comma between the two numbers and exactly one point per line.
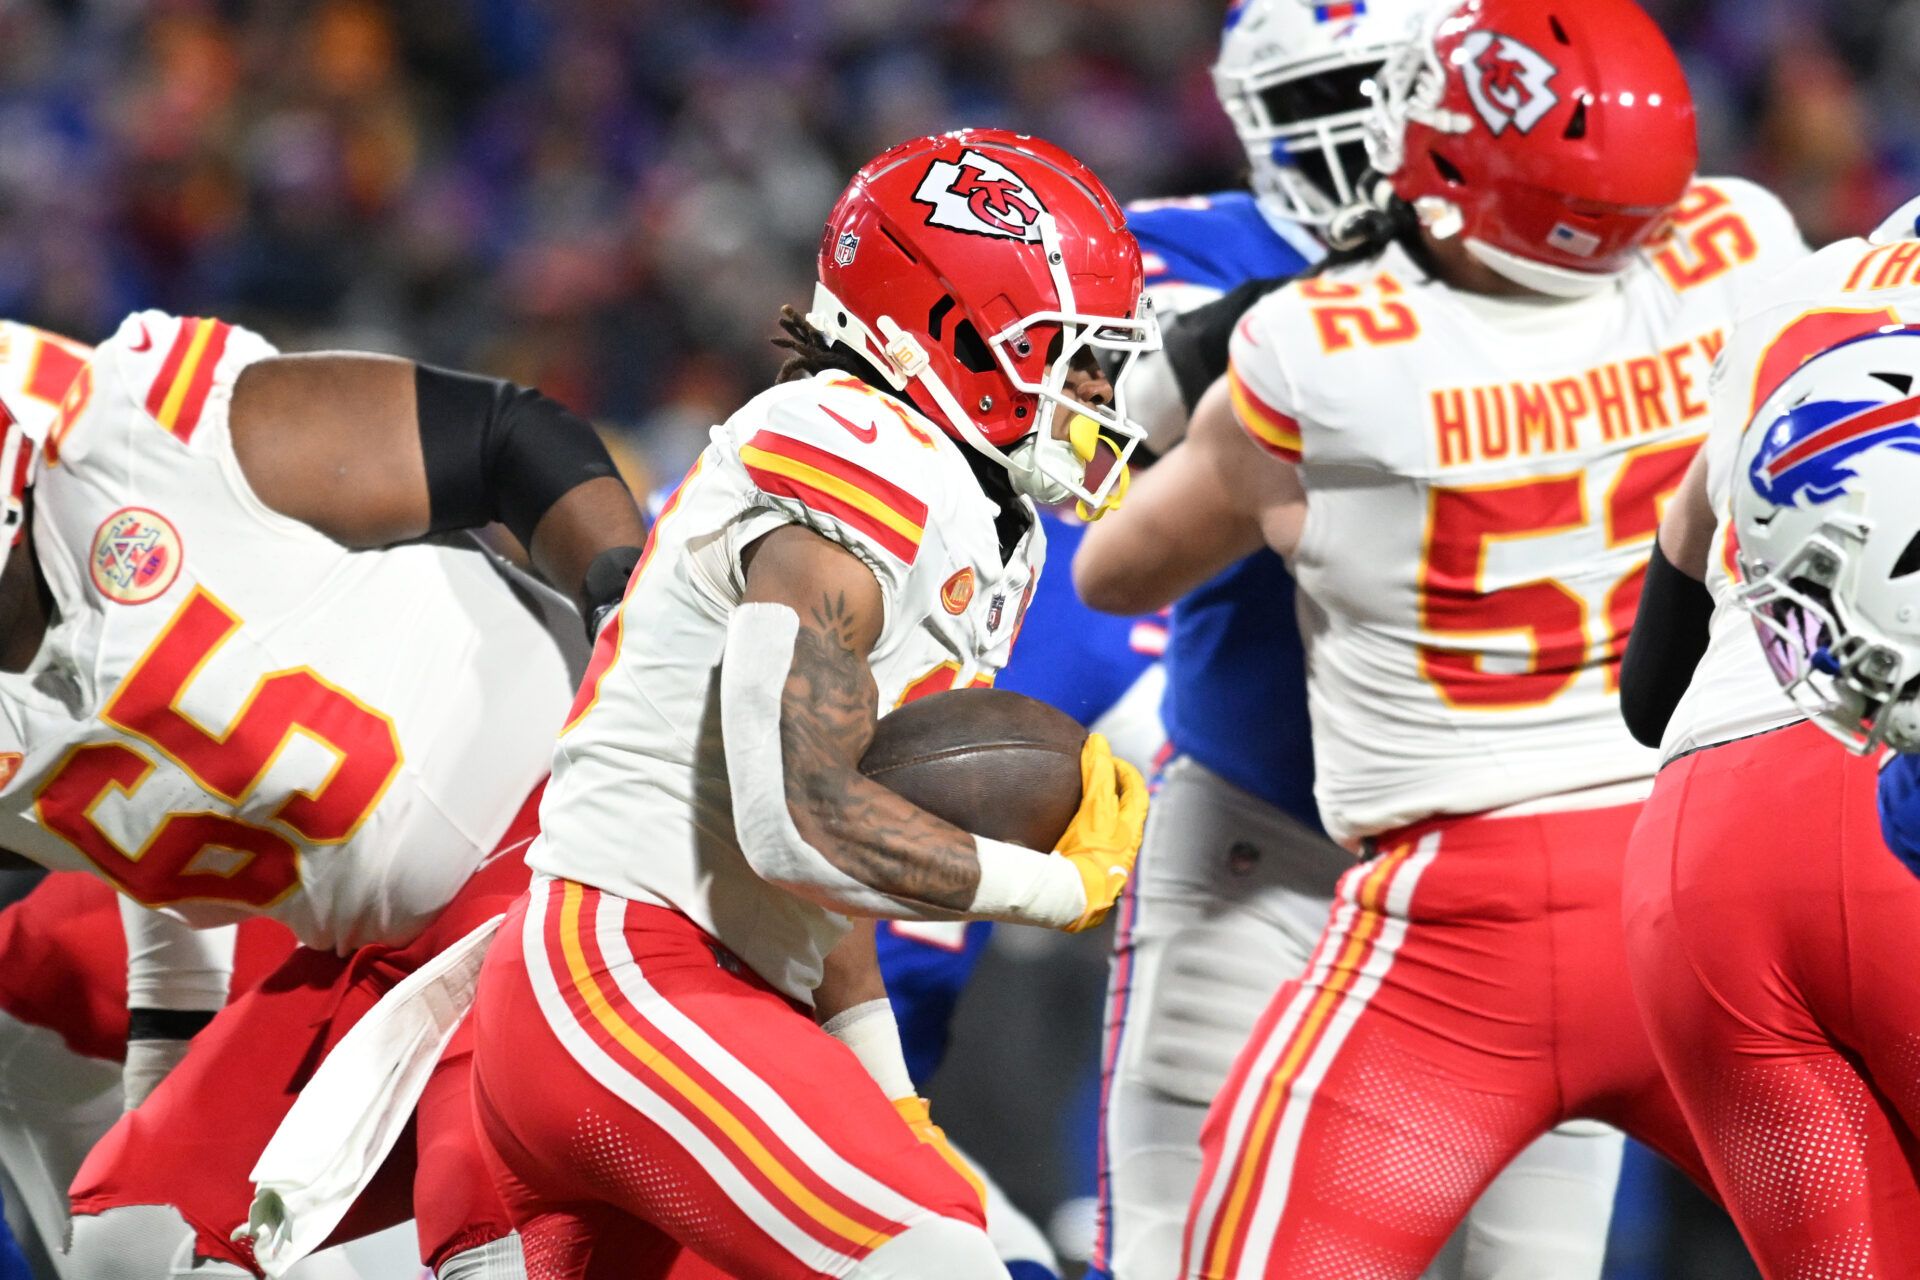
x=1104, y=838
x=1007, y=767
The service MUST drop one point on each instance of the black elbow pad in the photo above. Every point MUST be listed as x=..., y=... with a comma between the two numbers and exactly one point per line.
x=496, y=451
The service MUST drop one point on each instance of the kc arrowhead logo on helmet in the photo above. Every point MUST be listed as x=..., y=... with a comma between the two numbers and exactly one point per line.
x=980, y=197
x=1510, y=83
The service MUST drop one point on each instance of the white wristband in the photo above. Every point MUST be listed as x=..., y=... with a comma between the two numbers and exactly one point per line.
x=1023, y=887
x=870, y=1031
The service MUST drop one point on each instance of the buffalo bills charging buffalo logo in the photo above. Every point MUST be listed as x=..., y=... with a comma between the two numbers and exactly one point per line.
x=981, y=197
x=1510, y=83
x=1808, y=452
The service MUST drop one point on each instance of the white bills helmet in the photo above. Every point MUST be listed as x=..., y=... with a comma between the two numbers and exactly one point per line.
x=1289, y=76
x=1826, y=522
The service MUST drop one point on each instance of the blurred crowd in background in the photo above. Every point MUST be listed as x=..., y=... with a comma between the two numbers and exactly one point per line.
x=612, y=198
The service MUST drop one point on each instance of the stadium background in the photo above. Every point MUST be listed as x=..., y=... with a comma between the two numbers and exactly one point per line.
x=611, y=198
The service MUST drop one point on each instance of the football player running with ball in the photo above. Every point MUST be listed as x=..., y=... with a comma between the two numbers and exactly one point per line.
x=229, y=693
x=1460, y=432
x=650, y=1075
x=1236, y=875
x=1769, y=928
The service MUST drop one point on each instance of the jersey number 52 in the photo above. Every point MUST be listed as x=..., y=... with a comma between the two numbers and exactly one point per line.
x=1457, y=610
x=207, y=854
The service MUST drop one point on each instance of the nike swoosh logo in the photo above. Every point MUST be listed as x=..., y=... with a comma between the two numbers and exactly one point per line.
x=865, y=435
x=146, y=340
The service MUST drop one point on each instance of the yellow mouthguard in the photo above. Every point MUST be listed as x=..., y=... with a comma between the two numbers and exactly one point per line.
x=1083, y=433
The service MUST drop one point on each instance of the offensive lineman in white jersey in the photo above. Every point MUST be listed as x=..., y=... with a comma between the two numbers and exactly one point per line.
x=1769, y=929
x=1236, y=876
x=649, y=1076
x=229, y=693
x=1464, y=434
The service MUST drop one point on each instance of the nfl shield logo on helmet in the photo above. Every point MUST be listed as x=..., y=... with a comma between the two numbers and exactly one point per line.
x=981, y=197
x=1510, y=83
x=846, y=248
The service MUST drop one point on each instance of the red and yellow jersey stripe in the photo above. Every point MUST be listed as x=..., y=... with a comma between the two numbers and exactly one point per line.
x=1271, y=429
x=56, y=363
x=179, y=394
x=826, y=483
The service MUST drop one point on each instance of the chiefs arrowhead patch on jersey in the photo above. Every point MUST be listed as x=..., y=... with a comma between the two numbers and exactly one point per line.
x=980, y=197
x=957, y=594
x=1510, y=83
x=136, y=556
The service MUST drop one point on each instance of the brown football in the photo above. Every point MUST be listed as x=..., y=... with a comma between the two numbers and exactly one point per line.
x=994, y=763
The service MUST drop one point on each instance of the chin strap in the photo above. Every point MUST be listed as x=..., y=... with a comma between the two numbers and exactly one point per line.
x=1541, y=277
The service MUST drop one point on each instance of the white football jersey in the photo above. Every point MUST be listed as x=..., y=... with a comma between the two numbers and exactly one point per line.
x=639, y=804
x=233, y=715
x=1844, y=291
x=36, y=368
x=1484, y=479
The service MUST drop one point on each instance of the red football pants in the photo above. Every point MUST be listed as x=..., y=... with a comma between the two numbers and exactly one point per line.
x=63, y=962
x=195, y=1140
x=1468, y=994
x=642, y=1092
x=1772, y=938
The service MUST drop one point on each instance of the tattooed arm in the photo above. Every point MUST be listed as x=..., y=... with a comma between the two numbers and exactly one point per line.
x=828, y=707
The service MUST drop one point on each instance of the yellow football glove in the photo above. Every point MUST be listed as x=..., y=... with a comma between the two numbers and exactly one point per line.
x=1104, y=837
x=918, y=1115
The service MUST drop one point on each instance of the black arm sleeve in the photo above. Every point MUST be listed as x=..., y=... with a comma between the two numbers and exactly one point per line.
x=1197, y=341
x=1669, y=637
x=495, y=451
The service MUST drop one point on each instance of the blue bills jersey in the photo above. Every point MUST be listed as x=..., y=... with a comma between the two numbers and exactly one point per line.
x=1072, y=658
x=1900, y=809
x=1236, y=698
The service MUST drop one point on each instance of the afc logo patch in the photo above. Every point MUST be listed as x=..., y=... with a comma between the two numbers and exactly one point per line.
x=981, y=197
x=136, y=556
x=1510, y=83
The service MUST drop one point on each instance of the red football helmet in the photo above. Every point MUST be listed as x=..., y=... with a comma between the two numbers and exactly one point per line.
x=1556, y=135
x=971, y=269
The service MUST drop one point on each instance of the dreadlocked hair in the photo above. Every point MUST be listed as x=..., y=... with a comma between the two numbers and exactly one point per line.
x=1363, y=230
x=809, y=351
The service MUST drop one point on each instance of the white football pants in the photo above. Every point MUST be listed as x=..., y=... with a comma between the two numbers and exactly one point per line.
x=1228, y=901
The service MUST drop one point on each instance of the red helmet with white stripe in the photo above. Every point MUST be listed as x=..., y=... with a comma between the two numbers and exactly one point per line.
x=1555, y=135
x=971, y=270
